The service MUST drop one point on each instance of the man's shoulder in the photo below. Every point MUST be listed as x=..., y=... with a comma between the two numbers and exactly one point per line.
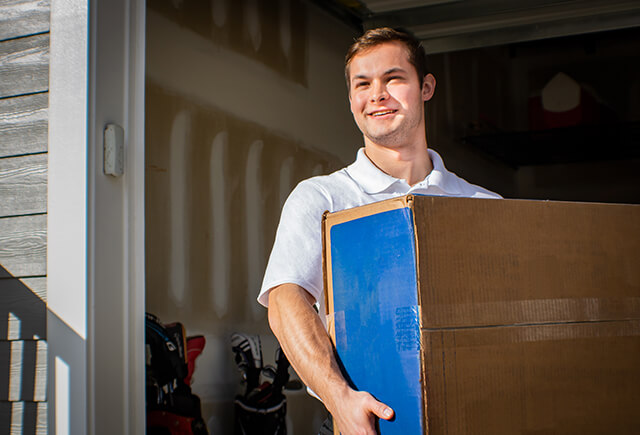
x=331, y=192
x=454, y=185
x=326, y=182
x=470, y=190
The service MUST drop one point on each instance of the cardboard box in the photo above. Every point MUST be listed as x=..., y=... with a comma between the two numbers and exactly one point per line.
x=474, y=316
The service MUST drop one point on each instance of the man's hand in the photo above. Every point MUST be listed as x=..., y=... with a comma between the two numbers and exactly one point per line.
x=308, y=347
x=357, y=411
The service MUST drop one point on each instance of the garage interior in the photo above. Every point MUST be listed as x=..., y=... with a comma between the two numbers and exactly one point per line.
x=539, y=100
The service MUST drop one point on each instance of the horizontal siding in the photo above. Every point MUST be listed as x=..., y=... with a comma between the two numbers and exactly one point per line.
x=38, y=286
x=23, y=245
x=23, y=17
x=22, y=418
x=23, y=313
x=23, y=124
x=23, y=185
x=24, y=65
x=23, y=370
x=24, y=83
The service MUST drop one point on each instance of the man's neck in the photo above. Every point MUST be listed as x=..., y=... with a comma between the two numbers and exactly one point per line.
x=411, y=164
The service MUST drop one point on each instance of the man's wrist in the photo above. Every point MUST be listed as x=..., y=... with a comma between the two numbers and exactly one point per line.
x=337, y=396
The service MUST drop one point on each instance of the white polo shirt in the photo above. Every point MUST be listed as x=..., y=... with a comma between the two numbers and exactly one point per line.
x=296, y=257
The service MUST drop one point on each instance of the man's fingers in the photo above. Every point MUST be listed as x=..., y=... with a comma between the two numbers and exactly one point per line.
x=381, y=410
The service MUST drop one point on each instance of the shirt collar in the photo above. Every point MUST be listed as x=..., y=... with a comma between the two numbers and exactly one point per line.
x=440, y=175
x=373, y=180
x=368, y=176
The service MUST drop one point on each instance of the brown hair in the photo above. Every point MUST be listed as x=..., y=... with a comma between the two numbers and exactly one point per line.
x=374, y=37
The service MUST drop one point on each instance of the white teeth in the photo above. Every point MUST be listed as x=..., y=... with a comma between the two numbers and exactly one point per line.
x=382, y=113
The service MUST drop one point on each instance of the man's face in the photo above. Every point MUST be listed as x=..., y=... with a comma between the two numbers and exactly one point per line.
x=386, y=98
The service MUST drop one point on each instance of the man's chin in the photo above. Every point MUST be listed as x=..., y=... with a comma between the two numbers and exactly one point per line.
x=384, y=141
x=381, y=136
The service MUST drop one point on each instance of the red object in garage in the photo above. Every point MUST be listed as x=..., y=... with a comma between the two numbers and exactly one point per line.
x=563, y=102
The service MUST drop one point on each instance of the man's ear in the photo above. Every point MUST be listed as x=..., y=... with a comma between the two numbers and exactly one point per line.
x=428, y=87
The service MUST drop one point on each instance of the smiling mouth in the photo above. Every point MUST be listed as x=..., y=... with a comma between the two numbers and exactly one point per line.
x=382, y=113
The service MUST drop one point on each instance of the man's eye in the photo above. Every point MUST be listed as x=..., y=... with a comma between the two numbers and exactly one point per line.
x=361, y=84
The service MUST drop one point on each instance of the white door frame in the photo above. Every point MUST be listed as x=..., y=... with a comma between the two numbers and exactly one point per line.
x=95, y=251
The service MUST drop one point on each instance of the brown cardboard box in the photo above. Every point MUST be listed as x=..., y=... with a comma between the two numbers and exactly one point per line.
x=527, y=313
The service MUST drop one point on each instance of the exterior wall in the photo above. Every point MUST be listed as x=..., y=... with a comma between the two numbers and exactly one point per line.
x=243, y=100
x=24, y=82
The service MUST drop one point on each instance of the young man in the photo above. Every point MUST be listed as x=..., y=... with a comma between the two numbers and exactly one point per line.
x=388, y=85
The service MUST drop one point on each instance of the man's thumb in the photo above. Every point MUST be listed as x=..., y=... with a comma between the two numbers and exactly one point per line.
x=382, y=411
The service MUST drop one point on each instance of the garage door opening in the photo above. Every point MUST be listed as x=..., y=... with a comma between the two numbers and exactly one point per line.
x=244, y=99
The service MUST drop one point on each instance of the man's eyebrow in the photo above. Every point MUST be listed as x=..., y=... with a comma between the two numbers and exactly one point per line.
x=386, y=73
x=359, y=77
x=394, y=70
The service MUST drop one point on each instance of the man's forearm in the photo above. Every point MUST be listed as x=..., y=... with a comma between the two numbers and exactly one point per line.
x=308, y=347
x=305, y=341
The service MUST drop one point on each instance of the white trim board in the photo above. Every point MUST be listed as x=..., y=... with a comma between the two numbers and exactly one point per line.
x=95, y=256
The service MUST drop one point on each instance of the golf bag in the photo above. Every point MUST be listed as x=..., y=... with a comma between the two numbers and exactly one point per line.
x=171, y=407
x=262, y=407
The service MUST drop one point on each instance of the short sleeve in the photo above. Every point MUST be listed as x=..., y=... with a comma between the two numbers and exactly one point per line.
x=296, y=257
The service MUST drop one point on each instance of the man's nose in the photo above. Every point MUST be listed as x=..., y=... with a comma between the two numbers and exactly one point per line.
x=378, y=92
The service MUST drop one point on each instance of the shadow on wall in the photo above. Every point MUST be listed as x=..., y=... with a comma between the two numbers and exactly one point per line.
x=270, y=32
x=24, y=359
x=23, y=330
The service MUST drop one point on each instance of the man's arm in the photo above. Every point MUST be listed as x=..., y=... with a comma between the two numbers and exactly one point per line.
x=308, y=347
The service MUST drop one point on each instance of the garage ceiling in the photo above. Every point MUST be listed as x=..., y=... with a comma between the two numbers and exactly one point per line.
x=451, y=25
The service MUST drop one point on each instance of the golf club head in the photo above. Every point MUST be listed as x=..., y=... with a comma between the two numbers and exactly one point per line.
x=248, y=357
